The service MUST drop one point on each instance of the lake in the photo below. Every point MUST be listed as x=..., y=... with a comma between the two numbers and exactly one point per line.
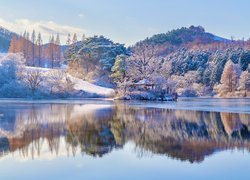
x=101, y=139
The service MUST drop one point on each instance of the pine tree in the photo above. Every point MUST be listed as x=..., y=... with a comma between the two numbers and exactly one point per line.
x=83, y=40
x=58, y=48
x=68, y=43
x=39, y=48
x=119, y=69
x=74, y=40
x=244, y=60
x=33, y=41
x=52, y=51
x=27, y=48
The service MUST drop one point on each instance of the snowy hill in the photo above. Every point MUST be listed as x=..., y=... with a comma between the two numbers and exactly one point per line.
x=79, y=86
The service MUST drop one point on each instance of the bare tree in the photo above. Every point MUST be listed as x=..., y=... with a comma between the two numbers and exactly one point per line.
x=55, y=80
x=33, y=80
x=143, y=62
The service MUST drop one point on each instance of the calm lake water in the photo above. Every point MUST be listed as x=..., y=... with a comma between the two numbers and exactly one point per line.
x=113, y=140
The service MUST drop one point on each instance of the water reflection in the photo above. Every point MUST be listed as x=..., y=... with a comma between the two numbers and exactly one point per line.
x=97, y=129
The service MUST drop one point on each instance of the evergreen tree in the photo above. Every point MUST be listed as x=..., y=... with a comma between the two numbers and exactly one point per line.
x=68, y=42
x=74, y=40
x=245, y=60
x=119, y=69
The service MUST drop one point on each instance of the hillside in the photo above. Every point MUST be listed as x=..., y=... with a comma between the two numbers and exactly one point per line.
x=184, y=36
x=189, y=61
x=186, y=61
x=80, y=88
x=5, y=38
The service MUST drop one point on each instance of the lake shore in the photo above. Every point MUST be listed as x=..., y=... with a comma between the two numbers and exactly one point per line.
x=231, y=105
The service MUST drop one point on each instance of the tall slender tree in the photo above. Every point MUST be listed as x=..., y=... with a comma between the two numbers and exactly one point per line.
x=13, y=44
x=229, y=78
x=52, y=51
x=33, y=45
x=39, y=48
x=244, y=81
x=68, y=42
x=58, y=48
x=74, y=40
x=27, y=48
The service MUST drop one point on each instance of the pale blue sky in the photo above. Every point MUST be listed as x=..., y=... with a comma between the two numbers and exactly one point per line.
x=127, y=21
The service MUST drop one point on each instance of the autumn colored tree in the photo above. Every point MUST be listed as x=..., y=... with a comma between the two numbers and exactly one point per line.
x=33, y=46
x=244, y=81
x=58, y=48
x=229, y=78
x=13, y=44
x=39, y=43
x=51, y=51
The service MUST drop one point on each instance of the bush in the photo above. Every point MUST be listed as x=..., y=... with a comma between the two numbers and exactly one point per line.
x=13, y=90
x=189, y=93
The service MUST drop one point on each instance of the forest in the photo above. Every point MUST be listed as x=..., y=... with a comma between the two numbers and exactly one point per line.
x=187, y=62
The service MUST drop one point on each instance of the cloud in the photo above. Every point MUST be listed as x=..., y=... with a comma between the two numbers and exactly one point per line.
x=47, y=28
x=81, y=15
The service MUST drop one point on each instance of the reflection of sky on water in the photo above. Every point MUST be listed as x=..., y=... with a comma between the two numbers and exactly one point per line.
x=125, y=164
x=120, y=141
x=203, y=104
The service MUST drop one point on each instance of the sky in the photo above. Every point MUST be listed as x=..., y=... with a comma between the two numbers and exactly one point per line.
x=125, y=21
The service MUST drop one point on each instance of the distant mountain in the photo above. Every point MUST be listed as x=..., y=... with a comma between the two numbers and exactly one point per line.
x=5, y=38
x=184, y=36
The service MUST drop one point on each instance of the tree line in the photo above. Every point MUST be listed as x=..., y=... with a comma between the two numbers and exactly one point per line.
x=35, y=52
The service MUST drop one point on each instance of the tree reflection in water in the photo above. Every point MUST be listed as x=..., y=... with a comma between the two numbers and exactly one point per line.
x=97, y=129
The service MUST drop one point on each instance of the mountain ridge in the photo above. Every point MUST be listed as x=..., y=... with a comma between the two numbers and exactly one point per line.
x=176, y=37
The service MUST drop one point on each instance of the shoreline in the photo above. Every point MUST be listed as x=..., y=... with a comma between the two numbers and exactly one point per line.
x=205, y=104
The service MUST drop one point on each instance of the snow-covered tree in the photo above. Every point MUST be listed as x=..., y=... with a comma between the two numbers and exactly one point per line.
x=55, y=80
x=245, y=60
x=119, y=69
x=68, y=42
x=244, y=81
x=191, y=77
x=229, y=78
x=143, y=62
x=32, y=80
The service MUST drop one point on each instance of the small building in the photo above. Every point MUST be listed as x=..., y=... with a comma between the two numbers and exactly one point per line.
x=144, y=84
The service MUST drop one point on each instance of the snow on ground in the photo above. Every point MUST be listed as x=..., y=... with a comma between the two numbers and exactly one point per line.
x=91, y=88
x=79, y=84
